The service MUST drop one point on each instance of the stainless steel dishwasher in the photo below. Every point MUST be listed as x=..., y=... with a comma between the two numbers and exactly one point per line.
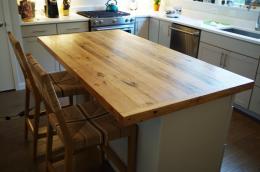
x=185, y=39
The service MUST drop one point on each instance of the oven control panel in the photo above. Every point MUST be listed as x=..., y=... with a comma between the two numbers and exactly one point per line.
x=97, y=22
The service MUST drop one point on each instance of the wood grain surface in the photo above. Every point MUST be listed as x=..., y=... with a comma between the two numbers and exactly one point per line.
x=137, y=79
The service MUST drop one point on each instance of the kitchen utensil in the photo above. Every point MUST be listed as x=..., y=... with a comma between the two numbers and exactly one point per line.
x=111, y=5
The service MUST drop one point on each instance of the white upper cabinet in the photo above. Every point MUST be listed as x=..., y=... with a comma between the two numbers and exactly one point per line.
x=142, y=27
x=210, y=54
x=165, y=33
x=154, y=30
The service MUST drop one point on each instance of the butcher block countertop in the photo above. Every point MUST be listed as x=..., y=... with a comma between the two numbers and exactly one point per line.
x=137, y=79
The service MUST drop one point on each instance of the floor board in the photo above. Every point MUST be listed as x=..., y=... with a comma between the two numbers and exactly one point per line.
x=242, y=153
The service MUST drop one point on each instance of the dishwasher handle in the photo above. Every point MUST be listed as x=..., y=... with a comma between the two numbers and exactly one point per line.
x=184, y=31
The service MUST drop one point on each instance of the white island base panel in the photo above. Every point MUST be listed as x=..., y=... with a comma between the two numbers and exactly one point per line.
x=189, y=140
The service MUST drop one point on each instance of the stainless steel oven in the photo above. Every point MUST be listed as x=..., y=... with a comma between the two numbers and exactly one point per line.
x=108, y=20
x=185, y=39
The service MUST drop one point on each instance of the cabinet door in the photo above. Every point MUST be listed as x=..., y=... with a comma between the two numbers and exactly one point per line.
x=154, y=30
x=31, y=45
x=165, y=34
x=244, y=66
x=210, y=54
x=142, y=27
x=255, y=101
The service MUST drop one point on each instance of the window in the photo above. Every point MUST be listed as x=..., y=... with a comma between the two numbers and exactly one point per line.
x=239, y=2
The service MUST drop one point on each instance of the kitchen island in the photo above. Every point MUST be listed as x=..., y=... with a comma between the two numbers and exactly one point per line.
x=183, y=106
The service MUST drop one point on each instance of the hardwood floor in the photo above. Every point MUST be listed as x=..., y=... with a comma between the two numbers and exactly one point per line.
x=242, y=153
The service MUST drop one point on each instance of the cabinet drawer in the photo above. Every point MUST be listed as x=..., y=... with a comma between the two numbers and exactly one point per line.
x=39, y=30
x=72, y=27
x=231, y=44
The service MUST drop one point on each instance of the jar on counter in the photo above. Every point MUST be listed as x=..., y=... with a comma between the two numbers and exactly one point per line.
x=27, y=9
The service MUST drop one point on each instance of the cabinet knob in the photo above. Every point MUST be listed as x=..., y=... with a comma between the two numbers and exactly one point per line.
x=1, y=24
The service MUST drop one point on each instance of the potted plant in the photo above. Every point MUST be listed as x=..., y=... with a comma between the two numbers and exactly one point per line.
x=156, y=5
x=66, y=7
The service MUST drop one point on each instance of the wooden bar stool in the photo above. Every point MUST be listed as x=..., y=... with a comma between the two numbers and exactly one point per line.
x=81, y=126
x=64, y=84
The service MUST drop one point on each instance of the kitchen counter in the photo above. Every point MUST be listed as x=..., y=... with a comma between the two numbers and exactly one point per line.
x=183, y=20
x=199, y=24
x=41, y=19
x=182, y=105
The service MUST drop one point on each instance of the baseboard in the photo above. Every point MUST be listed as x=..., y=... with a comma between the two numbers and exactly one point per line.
x=247, y=112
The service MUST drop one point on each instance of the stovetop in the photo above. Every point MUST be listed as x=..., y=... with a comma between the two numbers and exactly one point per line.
x=102, y=14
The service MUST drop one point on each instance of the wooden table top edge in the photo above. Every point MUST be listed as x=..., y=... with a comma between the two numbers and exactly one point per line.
x=171, y=108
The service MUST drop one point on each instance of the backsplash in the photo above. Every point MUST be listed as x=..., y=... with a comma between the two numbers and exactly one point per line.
x=98, y=4
x=213, y=9
x=205, y=11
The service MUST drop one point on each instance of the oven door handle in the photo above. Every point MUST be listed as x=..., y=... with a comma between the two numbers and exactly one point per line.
x=184, y=31
x=112, y=28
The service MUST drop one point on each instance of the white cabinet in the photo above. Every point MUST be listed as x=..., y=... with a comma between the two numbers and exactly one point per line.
x=244, y=66
x=165, y=33
x=31, y=45
x=142, y=27
x=221, y=54
x=210, y=54
x=255, y=101
x=154, y=30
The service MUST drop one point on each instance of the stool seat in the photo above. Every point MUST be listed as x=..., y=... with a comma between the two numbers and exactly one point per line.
x=66, y=85
x=80, y=112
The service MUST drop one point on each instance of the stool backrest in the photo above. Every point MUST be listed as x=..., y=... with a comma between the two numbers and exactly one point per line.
x=22, y=59
x=45, y=86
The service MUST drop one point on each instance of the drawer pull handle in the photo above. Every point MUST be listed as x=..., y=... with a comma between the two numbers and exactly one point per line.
x=196, y=33
x=75, y=28
x=39, y=31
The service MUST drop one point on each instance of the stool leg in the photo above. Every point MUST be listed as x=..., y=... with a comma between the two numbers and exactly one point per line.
x=26, y=111
x=132, y=150
x=36, y=126
x=71, y=100
x=68, y=160
x=49, y=146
